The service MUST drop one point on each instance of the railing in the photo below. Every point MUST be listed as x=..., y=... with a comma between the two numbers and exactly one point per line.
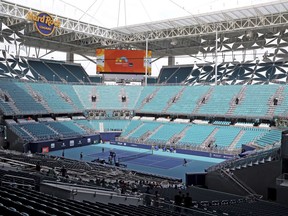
x=190, y=147
x=240, y=183
x=16, y=181
x=156, y=201
x=282, y=180
x=274, y=152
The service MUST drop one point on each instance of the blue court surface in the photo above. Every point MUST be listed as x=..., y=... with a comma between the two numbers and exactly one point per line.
x=145, y=158
x=159, y=163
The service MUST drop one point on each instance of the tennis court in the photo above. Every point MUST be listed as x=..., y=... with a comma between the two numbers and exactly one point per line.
x=160, y=163
x=145, y=158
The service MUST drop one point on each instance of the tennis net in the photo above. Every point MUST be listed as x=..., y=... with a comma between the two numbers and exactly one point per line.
x=133, y=157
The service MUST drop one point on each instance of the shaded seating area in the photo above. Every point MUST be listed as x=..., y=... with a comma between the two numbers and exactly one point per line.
x=57, y=71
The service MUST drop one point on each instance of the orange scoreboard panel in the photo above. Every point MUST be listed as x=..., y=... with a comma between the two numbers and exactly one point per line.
x=122, y=61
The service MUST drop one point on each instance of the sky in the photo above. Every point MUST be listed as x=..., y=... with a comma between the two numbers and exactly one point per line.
x=115, y=13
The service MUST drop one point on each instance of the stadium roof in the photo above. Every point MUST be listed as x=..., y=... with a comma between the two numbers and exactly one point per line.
x=260, y=10
x=178, y=36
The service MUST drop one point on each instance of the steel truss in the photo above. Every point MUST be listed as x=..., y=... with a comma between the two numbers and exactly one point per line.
x=84, y=38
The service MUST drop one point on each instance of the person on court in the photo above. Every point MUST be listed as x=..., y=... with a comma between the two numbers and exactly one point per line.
x=185, y=162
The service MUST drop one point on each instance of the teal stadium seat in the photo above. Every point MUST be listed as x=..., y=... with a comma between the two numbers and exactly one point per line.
x=188, y=100
x=255, y=101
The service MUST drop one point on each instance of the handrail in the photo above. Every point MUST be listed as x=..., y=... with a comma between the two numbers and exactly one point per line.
x=14, y=179
x=232, y=162
x=241, y=184
x=159, y=202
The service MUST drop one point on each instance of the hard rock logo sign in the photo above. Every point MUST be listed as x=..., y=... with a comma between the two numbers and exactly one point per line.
x=43, y=22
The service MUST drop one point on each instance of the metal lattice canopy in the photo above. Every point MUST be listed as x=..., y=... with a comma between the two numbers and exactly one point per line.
x=181, y=36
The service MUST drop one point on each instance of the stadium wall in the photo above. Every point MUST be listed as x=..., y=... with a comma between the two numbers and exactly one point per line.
x=52, y=145
x=109, y=136
x=14, y=142
x=217, y=181
x=259, y=178
x=281, y=194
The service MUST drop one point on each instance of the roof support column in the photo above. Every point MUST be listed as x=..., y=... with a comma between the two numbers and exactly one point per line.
x=70, y=57
x=171, y=60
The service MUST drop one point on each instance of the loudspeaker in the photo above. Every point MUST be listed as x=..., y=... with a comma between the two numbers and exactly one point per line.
x=275, y=101
x=123, y=98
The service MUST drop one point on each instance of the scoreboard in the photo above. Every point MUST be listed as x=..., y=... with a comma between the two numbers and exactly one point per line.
x=123, y=61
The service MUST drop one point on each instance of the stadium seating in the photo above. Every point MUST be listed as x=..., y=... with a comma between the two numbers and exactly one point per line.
x=67, y=128
x=84, y=93
x=280, y=109
x=5, y=106
x=166, y=132
x=56, y=102
x=78, y=71
x=219, y=101
x=54, y=71
x=269, y=138
x=44, y=98
x=44, y=72
x=61, y=71
x=69, y=91
x=225, y=136
x=245, y=208
x=256, y=100
x=165, y=73
x=109, y=125
x=20, y=97
x=17, y=129
x=249, y=136
x=161, y=99
x=196, y=135
x=91, y=124
x=132, y=94
x=39, y=131
x=188, y=100
x=180, y=75
x=133, y=124
x=146, y=127
x=105, y=101
x=145, y=93
x=95, y=79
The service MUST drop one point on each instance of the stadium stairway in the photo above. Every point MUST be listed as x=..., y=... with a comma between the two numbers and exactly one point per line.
x=210, y=138
x=203, y=100
x=148, y=94
x=188, y=100
x=239, y=98
x=236, y=140
x=78, y=71
x=7, y=104
x=279, y=97
x=173, y=100
x=38, y=97
x=66, y=98
x=62, y=72
x=176, y=137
